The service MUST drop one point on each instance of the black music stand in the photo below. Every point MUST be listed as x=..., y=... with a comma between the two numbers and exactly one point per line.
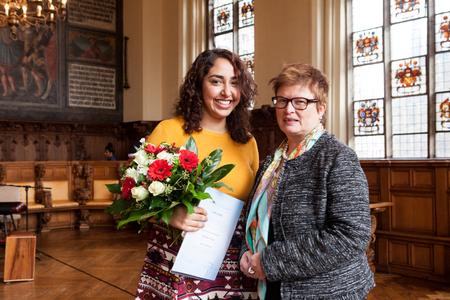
x=12, y=206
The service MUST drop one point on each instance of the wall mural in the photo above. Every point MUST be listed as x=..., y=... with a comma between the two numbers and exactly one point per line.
x=65, y=71
x=29, y=64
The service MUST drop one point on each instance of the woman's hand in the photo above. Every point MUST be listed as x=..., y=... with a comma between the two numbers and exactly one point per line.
x=250, y=265
x=245, y=265
x=188, y=222
x=255, y=263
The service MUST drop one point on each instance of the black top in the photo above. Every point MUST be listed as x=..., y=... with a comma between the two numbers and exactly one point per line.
x=273, y=287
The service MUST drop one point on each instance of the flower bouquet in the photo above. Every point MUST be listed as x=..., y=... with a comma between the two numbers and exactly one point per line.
x=159, y=178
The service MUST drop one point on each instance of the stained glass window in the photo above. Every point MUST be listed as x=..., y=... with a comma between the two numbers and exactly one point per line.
x=396, y=95
x=233, y=28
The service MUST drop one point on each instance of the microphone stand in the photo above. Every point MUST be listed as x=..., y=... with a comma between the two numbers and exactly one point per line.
x=26, y=187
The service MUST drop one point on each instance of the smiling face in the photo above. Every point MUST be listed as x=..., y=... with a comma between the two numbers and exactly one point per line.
x=221, y=94
x=297, y=123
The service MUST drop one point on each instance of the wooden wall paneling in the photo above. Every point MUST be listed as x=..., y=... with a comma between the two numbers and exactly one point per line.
x=413, y=212
x=442, y=202
x=422, y=256
x=440, y=260
x=401, y=178
x=423, y=178
x=385, y=219
x=382, y=254
x=20, y=171
x=63, y=219
x=399, y=253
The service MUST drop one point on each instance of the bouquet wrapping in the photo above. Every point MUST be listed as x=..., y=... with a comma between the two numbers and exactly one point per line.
x=160, y=177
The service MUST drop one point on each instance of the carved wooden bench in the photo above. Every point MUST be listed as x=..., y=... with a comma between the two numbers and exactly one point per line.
x=66, y=194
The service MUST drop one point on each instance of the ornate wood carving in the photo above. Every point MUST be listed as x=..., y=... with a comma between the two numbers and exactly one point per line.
x=41, y=196
x=2, y=173
x=82, y=183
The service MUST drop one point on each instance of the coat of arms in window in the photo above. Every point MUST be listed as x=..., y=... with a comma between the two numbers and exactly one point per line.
x=369, y=117
x=408, y=76
x=444, y=109
x=367, y=47
x=406, y=9
x=444, y=29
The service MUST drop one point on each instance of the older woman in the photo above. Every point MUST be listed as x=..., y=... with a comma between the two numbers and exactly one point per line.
x=308, y=225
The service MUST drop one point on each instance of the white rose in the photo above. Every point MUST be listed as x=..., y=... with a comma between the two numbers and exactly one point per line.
x=156, y=188
x=141, y=158
x=133, y=173
x=139, y=193
x=143, y=169
x=166, y=156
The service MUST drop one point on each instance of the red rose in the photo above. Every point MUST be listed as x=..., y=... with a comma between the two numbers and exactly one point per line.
x=153, y=149
x=188, y=160
x=127, y=185
x=159, y=170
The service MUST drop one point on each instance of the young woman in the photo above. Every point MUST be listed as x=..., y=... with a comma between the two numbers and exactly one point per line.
x=213, y=109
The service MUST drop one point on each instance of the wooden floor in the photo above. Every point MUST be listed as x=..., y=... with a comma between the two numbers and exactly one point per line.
x=105, y=264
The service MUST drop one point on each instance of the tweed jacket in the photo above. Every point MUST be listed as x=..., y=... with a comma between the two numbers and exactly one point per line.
x=321, y=225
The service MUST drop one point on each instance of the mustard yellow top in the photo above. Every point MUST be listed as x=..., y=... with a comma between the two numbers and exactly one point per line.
x=243, y=156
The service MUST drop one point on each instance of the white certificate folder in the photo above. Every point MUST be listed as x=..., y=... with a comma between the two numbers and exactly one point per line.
x=202, y=252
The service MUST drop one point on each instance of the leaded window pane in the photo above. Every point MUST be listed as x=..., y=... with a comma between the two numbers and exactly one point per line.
x=412, y=83
x=409, y=115
x=441, y=6
x=224, y=41
x=249, y=60
x=370, y=146
x=368, y=82
x=223, y=18
x=233, y=28
x=217, y=3
x=409, y=39
x=402, y=10
x=368, y=117
x=442, y=71
x=409, y=77
x=410, y=146
x=443, y=112
x=442, y=38
x=246, y=13
x=246, y=38
x=368, y=46
x=443, y=144
x=367, y=16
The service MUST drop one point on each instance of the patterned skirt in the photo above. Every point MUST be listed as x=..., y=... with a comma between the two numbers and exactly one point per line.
x=157, y=282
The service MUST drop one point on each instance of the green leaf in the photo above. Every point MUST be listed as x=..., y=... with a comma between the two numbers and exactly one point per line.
x=133, y=217
x=219, y=174
x=214, y=157
x=202, y=195
x=191, y=145
x=166, y=215
x=189, y=207
x=218, y=185
x=113, y=188
x=157, y=202
x=118, y=206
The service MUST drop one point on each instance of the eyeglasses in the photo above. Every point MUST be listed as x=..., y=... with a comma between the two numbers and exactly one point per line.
x=300, y=103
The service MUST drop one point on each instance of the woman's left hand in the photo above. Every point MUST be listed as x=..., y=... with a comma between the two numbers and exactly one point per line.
x=255, y=263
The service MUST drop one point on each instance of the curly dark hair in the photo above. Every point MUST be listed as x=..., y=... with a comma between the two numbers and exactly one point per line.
x=190, y=103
